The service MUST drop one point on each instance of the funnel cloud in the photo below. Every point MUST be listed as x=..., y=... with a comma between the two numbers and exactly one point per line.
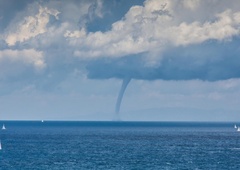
x=125, y=83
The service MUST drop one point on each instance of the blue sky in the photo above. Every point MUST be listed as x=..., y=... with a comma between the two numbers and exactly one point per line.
x=66, y=60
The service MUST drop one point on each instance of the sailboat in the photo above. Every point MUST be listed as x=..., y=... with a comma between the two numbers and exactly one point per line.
x=0, y=146
x=235, y=126
x=238, y=129
x=3, y=127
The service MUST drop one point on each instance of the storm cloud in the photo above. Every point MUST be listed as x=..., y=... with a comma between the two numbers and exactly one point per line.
x=45, y=42
x=210, y=61
x=168, y=40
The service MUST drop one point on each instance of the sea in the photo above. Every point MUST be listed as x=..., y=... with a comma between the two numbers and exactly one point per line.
x=80, y=145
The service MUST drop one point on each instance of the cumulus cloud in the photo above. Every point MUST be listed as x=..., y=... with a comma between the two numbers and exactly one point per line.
x=226, y=26
x=33, y=38
x=180, y=49
x=31, y=26
x=27, y=56
x=167, y=39
x=154, y=27
x=191, y=4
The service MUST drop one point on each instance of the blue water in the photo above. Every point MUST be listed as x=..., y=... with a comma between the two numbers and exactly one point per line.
x=119, y=145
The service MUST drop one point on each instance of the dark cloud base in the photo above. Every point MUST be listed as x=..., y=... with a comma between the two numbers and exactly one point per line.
x=210, y=61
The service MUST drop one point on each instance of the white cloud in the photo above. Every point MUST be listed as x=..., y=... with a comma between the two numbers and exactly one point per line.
x=149, y=28
x=153, y=27
x=98, y=9
x=31, y=26
x=191, y=4
x=27, y=56
x=34, y=37
x=226, y=26
x=75, y=34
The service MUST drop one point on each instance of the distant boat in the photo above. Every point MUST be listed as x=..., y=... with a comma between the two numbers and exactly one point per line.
x=235, y=126
x=0, y=146
x=42, y=121
x=3, y=127
x=238, y=129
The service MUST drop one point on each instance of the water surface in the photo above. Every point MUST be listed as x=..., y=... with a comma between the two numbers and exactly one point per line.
x=119, y=145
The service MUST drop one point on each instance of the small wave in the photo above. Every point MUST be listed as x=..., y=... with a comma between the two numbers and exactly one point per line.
x=234, y=149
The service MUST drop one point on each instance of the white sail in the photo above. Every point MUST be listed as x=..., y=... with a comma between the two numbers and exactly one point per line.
x=0, y=146
x=235, y=126
x=238, y=129
x=3, y=127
